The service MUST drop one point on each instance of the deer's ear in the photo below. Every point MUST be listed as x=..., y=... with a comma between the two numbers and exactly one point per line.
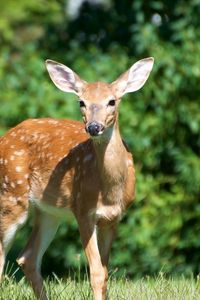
x=133, y=79
x=64, y=78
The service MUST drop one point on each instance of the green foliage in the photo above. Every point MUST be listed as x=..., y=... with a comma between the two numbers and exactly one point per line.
x=161, y=123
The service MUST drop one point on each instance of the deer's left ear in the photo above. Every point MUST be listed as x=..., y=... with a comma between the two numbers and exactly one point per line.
x=133, y=79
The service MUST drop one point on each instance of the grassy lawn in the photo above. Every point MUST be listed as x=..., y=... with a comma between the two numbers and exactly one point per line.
x=144, y=289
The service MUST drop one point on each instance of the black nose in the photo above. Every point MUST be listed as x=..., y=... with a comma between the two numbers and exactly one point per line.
x=94, y=128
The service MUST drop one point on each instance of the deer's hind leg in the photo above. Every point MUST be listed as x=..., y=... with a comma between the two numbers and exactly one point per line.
x=30, y=258
x=2, y=259
x=13, y=214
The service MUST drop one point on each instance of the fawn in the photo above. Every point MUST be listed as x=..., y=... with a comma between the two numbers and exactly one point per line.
x=58, y=165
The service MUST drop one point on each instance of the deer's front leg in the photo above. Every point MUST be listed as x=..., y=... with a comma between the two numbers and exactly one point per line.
x=98, y=274
x=106, y=235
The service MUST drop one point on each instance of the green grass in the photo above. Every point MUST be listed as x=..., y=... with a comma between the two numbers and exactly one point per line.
x=145, y=289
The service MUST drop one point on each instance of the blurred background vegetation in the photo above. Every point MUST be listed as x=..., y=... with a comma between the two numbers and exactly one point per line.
x=161, y=123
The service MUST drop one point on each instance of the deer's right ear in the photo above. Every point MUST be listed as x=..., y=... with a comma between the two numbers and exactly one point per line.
x=64, y=78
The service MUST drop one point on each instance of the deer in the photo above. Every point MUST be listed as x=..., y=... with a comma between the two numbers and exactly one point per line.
x=57, y=165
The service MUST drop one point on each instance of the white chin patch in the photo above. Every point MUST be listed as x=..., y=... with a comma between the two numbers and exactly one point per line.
x=100, y=132
x=104, y=134
x=97, y=136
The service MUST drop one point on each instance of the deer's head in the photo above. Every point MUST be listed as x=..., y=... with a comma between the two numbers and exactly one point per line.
x=99, y=100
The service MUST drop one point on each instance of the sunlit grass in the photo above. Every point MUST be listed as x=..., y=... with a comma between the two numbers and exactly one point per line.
x=158, y=288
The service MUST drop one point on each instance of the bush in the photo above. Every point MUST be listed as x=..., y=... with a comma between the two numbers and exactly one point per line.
x=161, y=123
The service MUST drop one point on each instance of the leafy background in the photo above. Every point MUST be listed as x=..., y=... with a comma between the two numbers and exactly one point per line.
x=161, y=123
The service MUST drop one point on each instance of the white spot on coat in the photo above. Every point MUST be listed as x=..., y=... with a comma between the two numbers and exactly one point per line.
x=18, y=169
x=19, y=181
x=19, y=153
x=13, y=185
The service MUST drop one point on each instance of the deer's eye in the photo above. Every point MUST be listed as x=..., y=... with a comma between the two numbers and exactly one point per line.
x=111, y=102
x=82, y=104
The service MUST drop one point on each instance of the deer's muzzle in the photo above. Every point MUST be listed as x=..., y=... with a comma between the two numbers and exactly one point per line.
x=94, y=128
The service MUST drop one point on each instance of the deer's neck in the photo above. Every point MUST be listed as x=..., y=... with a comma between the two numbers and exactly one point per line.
x=111, y=157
